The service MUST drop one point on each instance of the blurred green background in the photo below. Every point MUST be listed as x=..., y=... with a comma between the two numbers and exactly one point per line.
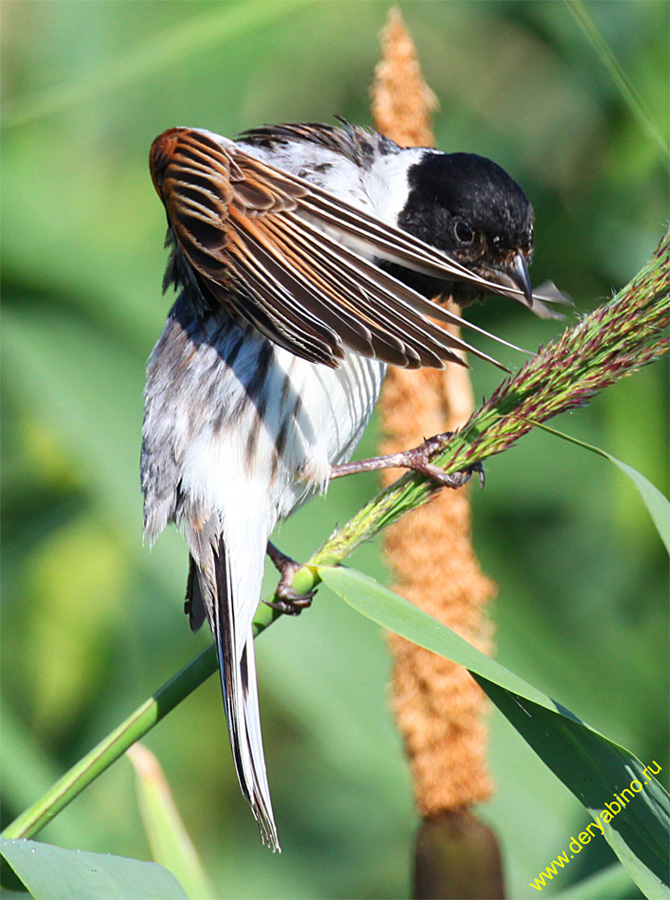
x=92, y=620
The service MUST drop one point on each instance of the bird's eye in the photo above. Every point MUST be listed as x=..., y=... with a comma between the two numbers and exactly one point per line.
x=464, y=233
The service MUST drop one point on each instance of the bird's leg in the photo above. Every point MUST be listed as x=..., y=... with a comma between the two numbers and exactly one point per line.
x=289, y=601
x=418, y=460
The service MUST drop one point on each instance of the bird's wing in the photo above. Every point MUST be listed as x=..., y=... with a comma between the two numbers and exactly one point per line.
x=295, y=261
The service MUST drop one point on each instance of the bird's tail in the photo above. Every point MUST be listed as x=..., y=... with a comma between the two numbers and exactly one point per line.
x=211, y=591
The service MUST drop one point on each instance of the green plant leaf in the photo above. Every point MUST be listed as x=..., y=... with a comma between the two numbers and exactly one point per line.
x=657, y=504
x=170, y=843
x=52, y=873
x=591, y=766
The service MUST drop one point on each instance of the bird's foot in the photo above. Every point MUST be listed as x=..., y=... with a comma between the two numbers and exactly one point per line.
x=288, y=600
x=418, y=459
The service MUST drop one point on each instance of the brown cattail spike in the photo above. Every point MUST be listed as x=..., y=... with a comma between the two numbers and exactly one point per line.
x=402, y=102
x=439, y=708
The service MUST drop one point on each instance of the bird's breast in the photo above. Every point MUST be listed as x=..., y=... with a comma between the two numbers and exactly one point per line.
x=235, y=416
x=308, y=418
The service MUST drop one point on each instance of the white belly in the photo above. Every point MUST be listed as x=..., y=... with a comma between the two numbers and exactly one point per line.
x=244, y=439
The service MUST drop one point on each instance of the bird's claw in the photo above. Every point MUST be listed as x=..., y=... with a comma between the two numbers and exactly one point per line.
x=418, y=459
x=287, y=600
x=291, y=605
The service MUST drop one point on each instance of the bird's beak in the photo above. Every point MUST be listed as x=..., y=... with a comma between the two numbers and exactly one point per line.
x=515, y=275
x=521, y=277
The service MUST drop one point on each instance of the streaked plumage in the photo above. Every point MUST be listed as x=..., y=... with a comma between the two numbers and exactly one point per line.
x=287, y=250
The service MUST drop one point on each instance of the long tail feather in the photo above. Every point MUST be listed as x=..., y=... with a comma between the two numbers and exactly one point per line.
x=214, y=589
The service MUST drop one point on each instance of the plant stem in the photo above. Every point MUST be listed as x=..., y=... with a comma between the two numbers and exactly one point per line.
x=613, y=341
x=138, y=723
x=108, y=750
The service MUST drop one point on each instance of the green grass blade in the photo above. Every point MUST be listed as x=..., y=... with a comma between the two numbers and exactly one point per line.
x=52, y=873
x=591, y=766
x=610, y=62
x=657, y=504
x=170, y=843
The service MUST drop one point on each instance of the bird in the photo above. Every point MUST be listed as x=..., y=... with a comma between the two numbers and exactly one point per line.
x=304, y=256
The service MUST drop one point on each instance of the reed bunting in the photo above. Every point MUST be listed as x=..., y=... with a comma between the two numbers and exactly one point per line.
x=304, y=256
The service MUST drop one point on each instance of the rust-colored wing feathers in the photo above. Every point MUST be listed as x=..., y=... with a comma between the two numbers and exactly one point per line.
x=260, y=241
